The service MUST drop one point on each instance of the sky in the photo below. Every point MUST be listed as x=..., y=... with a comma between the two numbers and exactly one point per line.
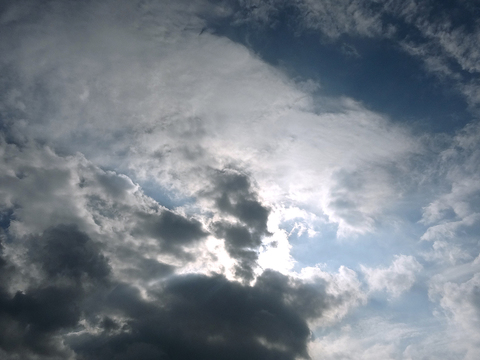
x=239, y=179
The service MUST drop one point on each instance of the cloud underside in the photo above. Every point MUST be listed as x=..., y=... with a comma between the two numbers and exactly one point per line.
x=80, y=307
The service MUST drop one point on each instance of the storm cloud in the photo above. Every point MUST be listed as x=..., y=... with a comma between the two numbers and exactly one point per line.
x=205, y=317
x=64, y=251
x=192, y=315
x=173, y=231
x=32, y=319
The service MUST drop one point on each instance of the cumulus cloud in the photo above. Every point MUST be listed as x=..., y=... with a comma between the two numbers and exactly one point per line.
x=460, y=302
x=344, y=287
x=379, y=338
x=171, y=230
x=201, y=316
x=66, y=252
x=32, y=320
x=397, y=278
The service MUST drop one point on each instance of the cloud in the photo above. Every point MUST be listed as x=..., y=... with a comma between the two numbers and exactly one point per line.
x=44, y=190
x=170, y=106
x=334, y=18
x=447, y=252
x=452, y=217
x=397, y=278
x=233, y=196
x=65, y=251
x=154, y=173
x=343, y=287
x=31, y=320
x=201, y=316
x=191, y=315
x=460, y=302
x=379, y=338
x=445, y=40
x=331, y=18
x=96, y=286
x=173, y=231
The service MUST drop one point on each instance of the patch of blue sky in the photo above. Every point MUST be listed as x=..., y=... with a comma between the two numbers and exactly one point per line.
x=6, y=217
x=165, y=197
x=372, y=249
x=375, y=71
x=459, y=13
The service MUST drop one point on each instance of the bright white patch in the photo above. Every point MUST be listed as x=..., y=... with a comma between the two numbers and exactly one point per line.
x=277, y=256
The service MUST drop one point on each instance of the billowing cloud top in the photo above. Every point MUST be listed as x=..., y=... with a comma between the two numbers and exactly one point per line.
x=239, y=180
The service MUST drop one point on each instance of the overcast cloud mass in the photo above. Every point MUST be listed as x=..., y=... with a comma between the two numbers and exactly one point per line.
x=239, y=179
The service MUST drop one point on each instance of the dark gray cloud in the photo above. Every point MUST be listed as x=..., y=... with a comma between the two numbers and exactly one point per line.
x=242, y=245
x=64, y=251
x=234, y=195
x=192, y=316
x=146, y=269
x=203, y=317
x=174, y=232
x=4, y=266
x=31, y=320
x=152, y=313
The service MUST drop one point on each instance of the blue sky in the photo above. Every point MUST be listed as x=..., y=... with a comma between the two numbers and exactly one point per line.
x=237, y=179
x=373, y=71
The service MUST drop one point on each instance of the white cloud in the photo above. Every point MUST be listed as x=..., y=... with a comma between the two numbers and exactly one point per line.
x=169, y=105
x=344, y=288
x=331, y=18
x=345, y=347
x=454, y=215
x=369, y=339
x=444, y=46
x=460, y=302
x=448, y=253
x=397, y=278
